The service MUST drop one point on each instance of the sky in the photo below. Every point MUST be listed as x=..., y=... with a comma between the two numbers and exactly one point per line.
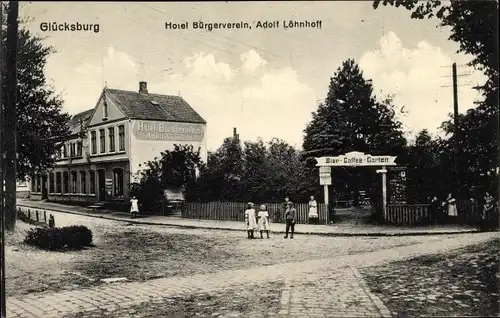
x=265, y=82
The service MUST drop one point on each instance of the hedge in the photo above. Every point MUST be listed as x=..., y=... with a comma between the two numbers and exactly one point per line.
x=60, y=238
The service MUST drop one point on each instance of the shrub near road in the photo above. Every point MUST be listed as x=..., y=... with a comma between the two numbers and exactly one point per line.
x=56, y=239
x=464, y=283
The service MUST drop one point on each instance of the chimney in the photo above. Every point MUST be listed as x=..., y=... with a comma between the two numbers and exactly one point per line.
x=234, y=132
x=143, y=87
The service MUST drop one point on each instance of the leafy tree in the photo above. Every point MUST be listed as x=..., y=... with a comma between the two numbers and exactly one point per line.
x=40, y=118
x=351, y=119
x=255, y=171
x=175, y=169
x=474, y=26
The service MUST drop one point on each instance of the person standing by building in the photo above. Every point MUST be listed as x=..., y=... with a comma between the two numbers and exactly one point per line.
x=250, y=220
x=284, y=206
x=290, y=220
x=263, y=221
x=434, y=212
x=313, y=211
x=487, y=219
x=134, y=207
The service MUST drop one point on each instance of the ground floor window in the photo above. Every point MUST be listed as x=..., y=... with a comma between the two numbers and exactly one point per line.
x=65, y=182
x=92, y=181
x=118, y=181
x=58, y=182
x=51, y=182
x=74, y=182
x=33, y=183
x=38, y=183
x=83, y=183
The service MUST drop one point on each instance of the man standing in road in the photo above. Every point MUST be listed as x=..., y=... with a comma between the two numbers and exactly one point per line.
x=284, y=207
x=290, y=220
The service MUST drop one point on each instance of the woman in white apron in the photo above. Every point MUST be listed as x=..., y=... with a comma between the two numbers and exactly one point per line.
x=250, y=220
x=313, y=211
x=263, y=220
x=452, y=208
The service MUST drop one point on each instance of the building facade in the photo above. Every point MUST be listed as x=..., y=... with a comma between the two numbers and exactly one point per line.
x=109, y=143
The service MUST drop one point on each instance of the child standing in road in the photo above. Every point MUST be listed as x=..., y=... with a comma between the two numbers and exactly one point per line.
x=263, y=217
x=134, y=207
x=250, y=220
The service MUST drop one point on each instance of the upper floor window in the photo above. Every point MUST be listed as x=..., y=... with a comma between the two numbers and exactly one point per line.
x=93, y=142
x=105, y=108
x=111, y=133
x=79, y=148
x=102, y=139
x=121, y=138
x=72, y=149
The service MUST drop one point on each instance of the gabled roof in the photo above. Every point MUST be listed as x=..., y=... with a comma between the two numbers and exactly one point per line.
x=79, y=121
x=148, y=106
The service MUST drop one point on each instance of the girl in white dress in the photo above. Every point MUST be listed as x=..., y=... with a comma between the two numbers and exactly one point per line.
x=250, y=220
x=263, y=217
x=452, y=208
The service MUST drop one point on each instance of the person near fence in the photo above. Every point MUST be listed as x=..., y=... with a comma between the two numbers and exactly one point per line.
x=250, y=220
x=451, y=205
x=487, y=219
x=134, y=207
x=434, y=210
x=263, y=221
x=290, y=220
x=284, y=206
x=313, y=211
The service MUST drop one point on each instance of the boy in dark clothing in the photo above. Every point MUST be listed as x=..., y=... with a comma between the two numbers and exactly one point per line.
x=290, y=220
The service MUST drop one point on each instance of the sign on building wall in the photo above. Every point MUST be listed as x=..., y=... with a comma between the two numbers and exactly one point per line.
x=354, y=158
x=167, y=131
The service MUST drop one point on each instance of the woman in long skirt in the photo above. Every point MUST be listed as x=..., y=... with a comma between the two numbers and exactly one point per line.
x=250, y=220
x=452, y=208
x=263, y=220
x=313, y=211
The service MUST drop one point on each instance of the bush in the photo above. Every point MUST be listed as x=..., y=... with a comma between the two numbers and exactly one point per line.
x=69, y=237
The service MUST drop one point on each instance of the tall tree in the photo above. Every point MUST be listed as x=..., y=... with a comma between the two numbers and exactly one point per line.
x=40, y=117
x=474, y=26
x=351, y=119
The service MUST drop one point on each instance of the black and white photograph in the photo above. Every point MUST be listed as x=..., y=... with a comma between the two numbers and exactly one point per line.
x=249, y=159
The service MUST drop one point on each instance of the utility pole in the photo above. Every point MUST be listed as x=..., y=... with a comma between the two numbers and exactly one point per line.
x=457, y=130
x=3, y=308
x=10, y=123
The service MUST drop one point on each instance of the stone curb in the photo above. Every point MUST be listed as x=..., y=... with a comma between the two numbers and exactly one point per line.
x=333, y=234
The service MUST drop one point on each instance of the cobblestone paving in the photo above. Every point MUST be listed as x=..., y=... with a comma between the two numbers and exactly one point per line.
x=336, y=277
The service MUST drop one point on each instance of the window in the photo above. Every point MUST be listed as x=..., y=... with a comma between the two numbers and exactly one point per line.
x=92, y=181
x=51, y=182
x=105, y=108
x=33, y=183
x=93, y=142
x=65, y=151
x=121, y=137
x=83, y=184
x=74, y=182
x=111, y=133
x=65, y=188
x=118, y=181
x=102, y=138
x=58, y=182
x=38, y=183
x=72, y=149
x=79, y=148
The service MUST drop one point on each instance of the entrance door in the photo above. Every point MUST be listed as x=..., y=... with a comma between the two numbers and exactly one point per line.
x=101, y=176
x=44, y=187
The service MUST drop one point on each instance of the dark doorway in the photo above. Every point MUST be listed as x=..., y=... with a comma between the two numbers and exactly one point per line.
x=101, y=176
x=45, y=193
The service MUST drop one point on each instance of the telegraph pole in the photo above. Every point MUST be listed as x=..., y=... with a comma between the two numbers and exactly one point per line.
x=10, y=123
x=2, y=179
x=456, y=128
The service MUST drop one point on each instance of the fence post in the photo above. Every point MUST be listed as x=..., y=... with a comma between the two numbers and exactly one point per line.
x=44, y=216
x=52, y=221
x=37, y=216
x=29, y=214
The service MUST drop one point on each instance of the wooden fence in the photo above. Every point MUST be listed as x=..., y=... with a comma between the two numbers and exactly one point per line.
x=234, y=211
x=468, y=213
x=416, y=214
x=36, y=217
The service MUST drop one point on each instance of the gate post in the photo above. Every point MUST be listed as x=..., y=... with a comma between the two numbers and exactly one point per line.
x=383, y=171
